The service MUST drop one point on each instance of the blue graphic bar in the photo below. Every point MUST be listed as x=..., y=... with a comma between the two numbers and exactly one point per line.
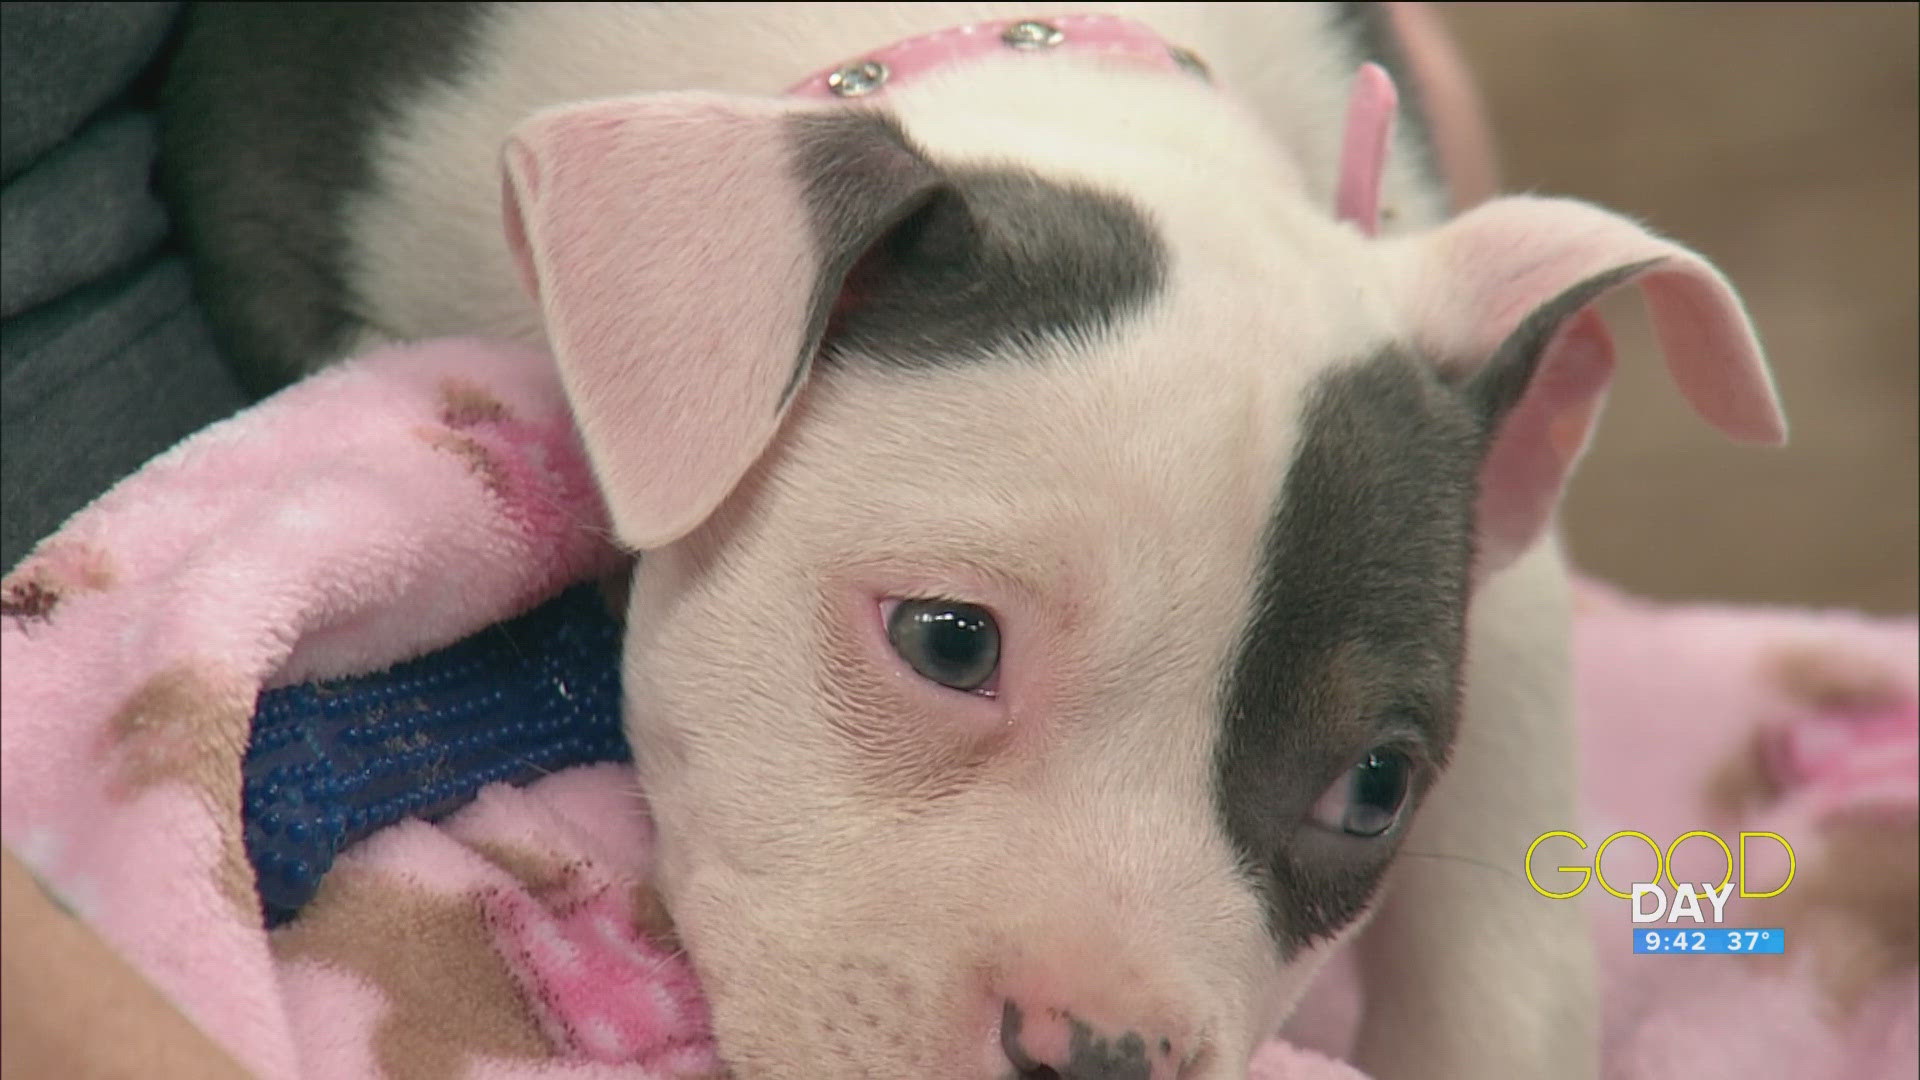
x=1765, y=941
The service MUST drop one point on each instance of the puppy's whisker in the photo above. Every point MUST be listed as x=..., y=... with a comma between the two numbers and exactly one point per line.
x=1468, y=860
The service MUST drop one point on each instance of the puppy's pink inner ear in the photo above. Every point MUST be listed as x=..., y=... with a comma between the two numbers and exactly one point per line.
x=1508, y=286
x=1364, y=147
x=1536, y=446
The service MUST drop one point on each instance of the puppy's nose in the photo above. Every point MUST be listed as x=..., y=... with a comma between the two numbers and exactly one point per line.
x=1046, y=1042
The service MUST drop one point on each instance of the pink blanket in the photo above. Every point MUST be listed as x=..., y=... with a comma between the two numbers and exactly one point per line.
x=400, y=502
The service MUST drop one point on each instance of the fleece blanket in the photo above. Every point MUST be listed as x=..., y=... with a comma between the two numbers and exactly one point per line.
x=395, y=505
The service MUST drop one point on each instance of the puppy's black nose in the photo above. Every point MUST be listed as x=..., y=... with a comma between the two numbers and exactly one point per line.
x=1048, y=1043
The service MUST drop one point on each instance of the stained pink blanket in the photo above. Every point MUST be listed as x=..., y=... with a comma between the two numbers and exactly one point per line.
x=400, y=502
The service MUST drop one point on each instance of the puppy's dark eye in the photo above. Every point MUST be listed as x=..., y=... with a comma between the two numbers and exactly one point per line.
x=1367, y=800
x=952, y=643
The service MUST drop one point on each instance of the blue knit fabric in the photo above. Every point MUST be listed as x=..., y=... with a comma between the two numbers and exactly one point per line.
x=331, y=762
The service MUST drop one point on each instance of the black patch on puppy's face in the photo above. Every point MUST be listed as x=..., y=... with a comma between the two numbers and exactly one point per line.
x=924, y=265
x=1357, y=632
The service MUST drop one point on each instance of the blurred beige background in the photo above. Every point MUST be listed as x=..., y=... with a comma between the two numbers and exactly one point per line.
x=1780, y=141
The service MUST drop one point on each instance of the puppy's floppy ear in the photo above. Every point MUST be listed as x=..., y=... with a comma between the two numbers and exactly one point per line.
x=1502, y=297
x=686, y=251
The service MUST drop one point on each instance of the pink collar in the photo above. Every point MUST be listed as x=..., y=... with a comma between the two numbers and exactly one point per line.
x=1370, y=109
x=904, y=61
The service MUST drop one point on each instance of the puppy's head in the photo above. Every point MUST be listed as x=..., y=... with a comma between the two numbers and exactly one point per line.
x=1053, y=594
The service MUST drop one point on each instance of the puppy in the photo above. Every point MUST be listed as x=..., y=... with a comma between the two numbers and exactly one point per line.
x=1094, y=521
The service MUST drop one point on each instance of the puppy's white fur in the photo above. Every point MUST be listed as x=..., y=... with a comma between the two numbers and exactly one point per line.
x=867, y=882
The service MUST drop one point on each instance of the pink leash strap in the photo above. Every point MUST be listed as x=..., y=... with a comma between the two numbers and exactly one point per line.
x=1363, y=148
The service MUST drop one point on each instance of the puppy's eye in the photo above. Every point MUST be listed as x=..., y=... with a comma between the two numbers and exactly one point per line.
x=951, y=643
x=1367, y=800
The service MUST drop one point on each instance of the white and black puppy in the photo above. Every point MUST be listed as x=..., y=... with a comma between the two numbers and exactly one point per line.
x=1072, y=552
